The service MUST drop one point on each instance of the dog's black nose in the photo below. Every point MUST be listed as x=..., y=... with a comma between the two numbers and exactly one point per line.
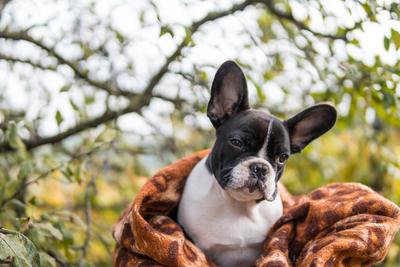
x=259, y=169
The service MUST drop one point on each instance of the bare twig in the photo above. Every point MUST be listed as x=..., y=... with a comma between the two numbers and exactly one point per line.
x=26, y=61
x=289, y=17
x=88, y=215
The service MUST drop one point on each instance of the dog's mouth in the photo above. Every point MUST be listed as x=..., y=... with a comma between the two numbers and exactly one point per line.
x=257, y=189
x=253, y=185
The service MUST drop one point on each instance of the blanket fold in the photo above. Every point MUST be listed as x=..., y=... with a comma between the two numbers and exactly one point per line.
x=335, y=225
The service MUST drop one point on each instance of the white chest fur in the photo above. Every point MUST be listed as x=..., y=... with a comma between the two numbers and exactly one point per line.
x=228, y=231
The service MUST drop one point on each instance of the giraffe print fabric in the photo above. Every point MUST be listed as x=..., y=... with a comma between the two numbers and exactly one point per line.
x=338, y=225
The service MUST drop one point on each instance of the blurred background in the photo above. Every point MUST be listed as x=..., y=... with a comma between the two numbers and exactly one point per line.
x=95, y=96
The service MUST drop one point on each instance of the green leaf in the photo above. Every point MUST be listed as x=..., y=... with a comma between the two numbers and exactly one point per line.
x=89, y=99
x=18, y=249
x=32, y=200
x=65, y=88
x=260, y=93
x=165, y=29
x=47, y=229
x=85, y=263
x=77, y=174
x=120, y=36
x=12, y=136
x=369, y=10
x=188, y=37
x=68, y=173
x=142, y=16
x=59, y=118
x=68, y=239
x=73, y=105
x=25, y=170
x=396, y=38
x=270, y=75
x=46, y=260
x=10, y=187
x=17, y=204
x=386, y=43
x=203, y=76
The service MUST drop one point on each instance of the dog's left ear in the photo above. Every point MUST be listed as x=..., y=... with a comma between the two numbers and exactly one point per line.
x=228, y=94
x=309, y=125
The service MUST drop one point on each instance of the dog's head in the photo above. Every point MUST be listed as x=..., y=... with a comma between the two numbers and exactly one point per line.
x=252, y=147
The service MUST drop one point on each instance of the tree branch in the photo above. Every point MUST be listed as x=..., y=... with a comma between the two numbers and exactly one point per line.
x=39, y=141
x=54, y=68
x=82, y=74
x=112, y=89
x=26, y=61
x=289, y=17
x=90, y=187
x=136, y=103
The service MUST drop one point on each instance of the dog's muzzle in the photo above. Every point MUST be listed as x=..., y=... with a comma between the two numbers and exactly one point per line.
x=255, y=175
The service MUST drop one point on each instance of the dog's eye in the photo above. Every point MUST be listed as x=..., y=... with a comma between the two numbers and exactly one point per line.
x=282, y=158
x=236, y=142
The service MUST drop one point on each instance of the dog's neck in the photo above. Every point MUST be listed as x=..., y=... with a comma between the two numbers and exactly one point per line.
x=227, y=230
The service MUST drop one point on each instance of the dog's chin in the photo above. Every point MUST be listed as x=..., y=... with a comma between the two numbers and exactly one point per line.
x=245, y=194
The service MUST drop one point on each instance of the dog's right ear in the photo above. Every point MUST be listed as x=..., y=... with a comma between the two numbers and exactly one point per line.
x=228, y=94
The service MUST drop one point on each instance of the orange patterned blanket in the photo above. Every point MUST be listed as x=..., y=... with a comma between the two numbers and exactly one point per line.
x=335, y=225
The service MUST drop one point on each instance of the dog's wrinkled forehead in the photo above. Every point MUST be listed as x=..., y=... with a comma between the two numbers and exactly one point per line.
x=262, y=131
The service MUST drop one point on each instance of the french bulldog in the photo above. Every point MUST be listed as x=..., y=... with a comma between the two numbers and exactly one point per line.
x=231, y=199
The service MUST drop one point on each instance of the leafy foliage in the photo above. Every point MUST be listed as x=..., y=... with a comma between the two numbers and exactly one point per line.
x=17, y=249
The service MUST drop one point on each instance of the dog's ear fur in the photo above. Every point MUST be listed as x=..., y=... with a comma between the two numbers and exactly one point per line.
x=228, y=94
x=309, y=125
